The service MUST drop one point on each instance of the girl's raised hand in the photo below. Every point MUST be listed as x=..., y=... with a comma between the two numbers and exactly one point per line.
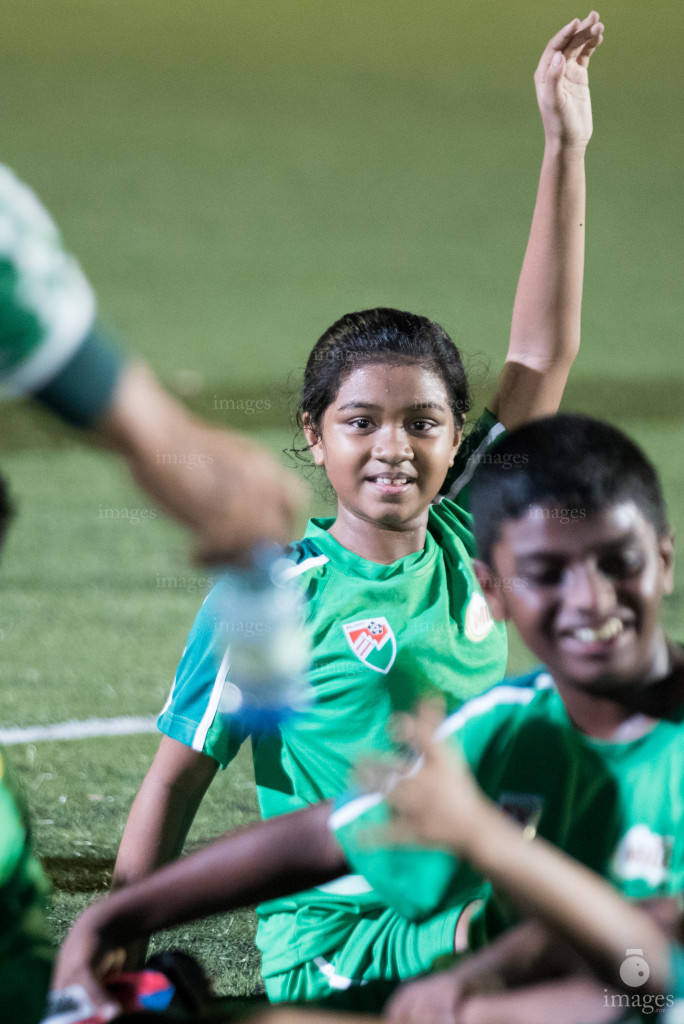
x=562, y=81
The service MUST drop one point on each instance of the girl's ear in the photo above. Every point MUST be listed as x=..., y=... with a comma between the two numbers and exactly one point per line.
x=491, y=588
x=314, y=440
x=458, y=437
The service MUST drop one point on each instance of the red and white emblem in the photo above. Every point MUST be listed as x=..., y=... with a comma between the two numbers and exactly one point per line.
x=372, y=641
x=478, y=619
x=643, y=854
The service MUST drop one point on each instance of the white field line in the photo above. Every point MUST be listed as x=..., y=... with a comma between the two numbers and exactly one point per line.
x=74, y=730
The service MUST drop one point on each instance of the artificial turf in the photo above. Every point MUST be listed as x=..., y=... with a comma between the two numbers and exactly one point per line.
x=233, y=177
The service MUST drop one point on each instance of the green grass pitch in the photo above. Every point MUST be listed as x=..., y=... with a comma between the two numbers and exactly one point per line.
x=233, y=177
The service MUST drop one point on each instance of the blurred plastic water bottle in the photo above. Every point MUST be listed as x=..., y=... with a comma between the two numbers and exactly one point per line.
x=268, y=652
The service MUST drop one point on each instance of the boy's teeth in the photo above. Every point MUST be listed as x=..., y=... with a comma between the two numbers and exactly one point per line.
x=610, y=629
x=391, y=479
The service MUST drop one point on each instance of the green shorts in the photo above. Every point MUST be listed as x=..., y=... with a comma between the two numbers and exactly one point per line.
x=377, y=951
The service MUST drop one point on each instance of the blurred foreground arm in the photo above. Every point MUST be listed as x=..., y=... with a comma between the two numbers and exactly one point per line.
x=226, y=488
x=274, y=858
x=222, y=486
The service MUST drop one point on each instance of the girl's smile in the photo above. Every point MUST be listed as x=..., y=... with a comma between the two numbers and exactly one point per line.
x=386, y=442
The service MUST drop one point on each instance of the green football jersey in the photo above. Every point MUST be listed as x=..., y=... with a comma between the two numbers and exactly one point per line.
x=47, y=307
x=25, y=948
x=616, y=806
x=383, y=636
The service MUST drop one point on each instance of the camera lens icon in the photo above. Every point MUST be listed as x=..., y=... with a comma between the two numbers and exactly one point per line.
x=634, y=970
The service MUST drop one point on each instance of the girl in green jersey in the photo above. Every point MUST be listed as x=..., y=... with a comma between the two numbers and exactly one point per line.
x=393, y=602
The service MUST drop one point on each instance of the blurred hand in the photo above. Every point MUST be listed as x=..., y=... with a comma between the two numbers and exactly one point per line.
x=83, y=961
x=493, y=984
x=243, y=497
x=222, y=485
x=438, y=804
x=437, y=998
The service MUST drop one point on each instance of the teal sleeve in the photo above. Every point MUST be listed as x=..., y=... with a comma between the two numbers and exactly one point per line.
x=81, y=392
x=190, y=714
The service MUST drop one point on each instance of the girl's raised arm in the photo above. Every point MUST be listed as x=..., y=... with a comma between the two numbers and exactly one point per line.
x=545, y=329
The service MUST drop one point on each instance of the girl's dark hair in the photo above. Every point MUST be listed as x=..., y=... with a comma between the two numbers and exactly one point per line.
x=380, y=336
x=573, y=461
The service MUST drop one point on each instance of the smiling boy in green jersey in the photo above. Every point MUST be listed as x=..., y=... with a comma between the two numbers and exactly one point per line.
x=581, y=935
x=587, y=751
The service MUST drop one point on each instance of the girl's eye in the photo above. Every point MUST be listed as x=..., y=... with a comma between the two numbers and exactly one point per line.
x=421, y=426
x=362, y=422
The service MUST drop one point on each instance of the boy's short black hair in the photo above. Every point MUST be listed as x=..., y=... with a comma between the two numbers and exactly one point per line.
x=6, y=509
x=568, y=461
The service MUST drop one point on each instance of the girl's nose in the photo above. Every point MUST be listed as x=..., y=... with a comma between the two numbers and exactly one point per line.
x=392, y=444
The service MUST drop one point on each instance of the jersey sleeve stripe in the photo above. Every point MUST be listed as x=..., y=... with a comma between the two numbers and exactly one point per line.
x=308, y=563
x=471, y=465
x=495, y=697
x=342, y=816
x=167, y=702
x=212, y=706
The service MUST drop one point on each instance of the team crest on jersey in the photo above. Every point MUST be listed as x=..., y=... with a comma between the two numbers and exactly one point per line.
x=643, y=855
x=478, y=619
x=372, y=641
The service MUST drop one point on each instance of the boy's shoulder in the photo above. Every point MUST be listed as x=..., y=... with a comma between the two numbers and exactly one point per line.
x=501, y=718
x=508, y=699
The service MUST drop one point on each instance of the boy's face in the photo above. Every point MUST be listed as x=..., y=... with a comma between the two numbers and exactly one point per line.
x=584, y=592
